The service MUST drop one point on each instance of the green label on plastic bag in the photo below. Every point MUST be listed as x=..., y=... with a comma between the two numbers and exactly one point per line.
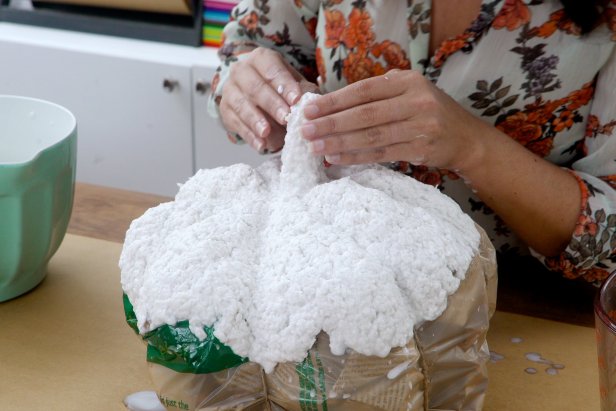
x=177, y=348
x=309, y=391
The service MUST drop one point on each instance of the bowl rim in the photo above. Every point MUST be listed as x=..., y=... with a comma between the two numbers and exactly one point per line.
x=72, y=132
x=599, y=299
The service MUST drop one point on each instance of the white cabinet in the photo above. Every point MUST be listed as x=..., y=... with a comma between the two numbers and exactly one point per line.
x=141, y=124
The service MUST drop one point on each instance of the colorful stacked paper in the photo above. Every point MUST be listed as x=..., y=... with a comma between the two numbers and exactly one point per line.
x=215, y=15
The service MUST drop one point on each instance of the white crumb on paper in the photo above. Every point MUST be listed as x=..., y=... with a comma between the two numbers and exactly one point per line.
x=397, y=370
x=143, y=401
x=271, y=256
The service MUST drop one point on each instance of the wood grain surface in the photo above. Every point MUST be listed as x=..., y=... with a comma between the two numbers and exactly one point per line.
x=106, y=213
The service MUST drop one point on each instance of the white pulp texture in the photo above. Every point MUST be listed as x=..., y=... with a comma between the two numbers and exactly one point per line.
x=270, y=257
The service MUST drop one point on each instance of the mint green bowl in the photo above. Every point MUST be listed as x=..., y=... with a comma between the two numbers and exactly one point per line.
x=38, y=144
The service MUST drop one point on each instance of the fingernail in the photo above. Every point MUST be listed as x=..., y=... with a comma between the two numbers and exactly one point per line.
x=292, y=97
x=332, y=158
x=309, y=130
x=261, y=127
x=311, y=110
x=280, y=89
x=316, y=146
x=281, y=114
x=260, y=145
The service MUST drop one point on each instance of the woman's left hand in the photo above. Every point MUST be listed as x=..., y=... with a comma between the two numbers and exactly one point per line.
x=399, y=116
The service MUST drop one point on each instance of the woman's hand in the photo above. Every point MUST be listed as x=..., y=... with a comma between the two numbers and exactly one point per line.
x=402, y=116
x=399, y=116
x=257, y=95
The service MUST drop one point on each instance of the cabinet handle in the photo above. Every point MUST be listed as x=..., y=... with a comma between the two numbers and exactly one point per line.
x=202, y=86
x=170, y=84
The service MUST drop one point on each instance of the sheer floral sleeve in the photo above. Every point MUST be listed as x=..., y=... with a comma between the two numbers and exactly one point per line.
x=591, y=254
x=287, y=26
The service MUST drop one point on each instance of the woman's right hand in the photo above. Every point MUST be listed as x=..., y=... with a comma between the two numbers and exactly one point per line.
x=257, y=96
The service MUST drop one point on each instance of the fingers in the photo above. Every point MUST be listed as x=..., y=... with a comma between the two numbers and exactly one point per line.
x=243, y=118
x=257, y=97
x=404, y=140
x=236, y=104
x=367, y=138
x=417, y=152
x=308, y=87
x=377, y=155
x=234, y=124
x=367, y=115
x=260, y=93
x=365, y=91
x=278, y=73
x=275, y=139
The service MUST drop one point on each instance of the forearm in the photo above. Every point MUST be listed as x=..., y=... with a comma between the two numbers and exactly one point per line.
x=538, y=200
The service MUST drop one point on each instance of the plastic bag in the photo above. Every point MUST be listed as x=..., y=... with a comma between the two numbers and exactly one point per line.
x=444, y=367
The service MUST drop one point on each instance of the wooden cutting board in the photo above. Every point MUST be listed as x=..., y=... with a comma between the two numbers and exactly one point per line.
x=65, y=346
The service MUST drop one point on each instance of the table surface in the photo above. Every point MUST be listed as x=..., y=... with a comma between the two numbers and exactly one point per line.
x=66, y=345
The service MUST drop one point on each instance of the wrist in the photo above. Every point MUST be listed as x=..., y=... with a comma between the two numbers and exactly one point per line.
x=475, y=153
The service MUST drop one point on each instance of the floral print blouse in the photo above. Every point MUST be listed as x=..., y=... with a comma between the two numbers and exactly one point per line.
x=521, y=66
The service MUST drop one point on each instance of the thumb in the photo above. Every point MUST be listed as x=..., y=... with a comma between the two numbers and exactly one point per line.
x=306, y=86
